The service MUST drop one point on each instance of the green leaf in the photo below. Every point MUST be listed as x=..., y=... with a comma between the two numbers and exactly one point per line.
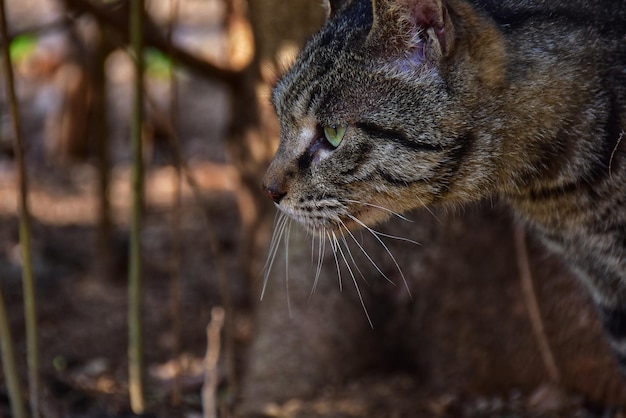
x=22, y=47
x=158, y=64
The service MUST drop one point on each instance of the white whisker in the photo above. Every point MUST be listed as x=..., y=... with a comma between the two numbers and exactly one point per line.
x=367, y=255
x=354, y=263
x=287, y=235
x=356, y=285
x=397, y=238
x=375, y=234
x=276, y=238
x=278, y=220
x=382, y=234
x=427, y=208
x=313, y=245
x=321, y=251
x=341, y=249
x=333, y=245
x=384, y=209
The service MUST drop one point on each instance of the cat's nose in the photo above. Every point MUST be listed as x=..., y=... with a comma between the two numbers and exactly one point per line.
x=274, y=192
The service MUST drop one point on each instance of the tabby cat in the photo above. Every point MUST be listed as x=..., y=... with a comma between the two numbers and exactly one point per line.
x=400, y=104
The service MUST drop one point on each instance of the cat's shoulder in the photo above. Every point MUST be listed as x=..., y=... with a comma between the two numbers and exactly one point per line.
x=599, y=12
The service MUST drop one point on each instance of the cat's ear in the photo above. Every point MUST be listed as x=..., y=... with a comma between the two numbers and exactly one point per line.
x=411, y=32
x=332, y=7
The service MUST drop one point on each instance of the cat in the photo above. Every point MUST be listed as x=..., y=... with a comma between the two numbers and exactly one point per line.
x=402, y=104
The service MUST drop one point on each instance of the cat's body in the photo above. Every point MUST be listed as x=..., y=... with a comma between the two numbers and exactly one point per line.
x=431, y=102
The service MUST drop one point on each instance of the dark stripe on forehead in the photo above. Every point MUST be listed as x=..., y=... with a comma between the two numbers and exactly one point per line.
x=306, y=80
x=304, y=69
x=313, y=93
x=313, y=81
x=319, y=57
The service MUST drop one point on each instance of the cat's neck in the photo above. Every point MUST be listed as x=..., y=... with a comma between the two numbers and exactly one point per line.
x=542, y=114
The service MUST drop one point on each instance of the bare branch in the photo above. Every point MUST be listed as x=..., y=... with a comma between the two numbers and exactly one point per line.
x=532, y=306
x=117, y=19
x=28, y=280
x=135, y=321
x=211, y=376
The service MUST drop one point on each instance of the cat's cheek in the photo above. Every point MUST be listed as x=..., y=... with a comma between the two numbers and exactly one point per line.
x=373, y=217
x=320, y=155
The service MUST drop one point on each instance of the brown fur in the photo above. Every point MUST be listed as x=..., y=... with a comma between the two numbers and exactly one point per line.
x=457, y=101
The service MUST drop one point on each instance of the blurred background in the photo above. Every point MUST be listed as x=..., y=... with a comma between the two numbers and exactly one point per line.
x=206, y=90
x=463, y=344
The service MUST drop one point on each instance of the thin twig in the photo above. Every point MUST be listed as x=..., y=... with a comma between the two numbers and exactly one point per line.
x=30, y=300
x=226, y=293
x=103, y=151
x=176, y=297
x=135, y=323
x=211, y=375
x=9, y=364
x=175, y=284
x=532, y=306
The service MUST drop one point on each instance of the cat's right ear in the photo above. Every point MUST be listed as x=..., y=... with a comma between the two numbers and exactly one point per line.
x=411, y=32
x=332, y=7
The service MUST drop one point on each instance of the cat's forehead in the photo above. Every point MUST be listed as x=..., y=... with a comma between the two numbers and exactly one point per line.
x=328, y=61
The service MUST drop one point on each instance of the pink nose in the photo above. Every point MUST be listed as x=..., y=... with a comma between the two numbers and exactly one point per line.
x=274, y=193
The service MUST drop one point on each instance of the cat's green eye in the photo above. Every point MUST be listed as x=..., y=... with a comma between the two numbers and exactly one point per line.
x=334, y=134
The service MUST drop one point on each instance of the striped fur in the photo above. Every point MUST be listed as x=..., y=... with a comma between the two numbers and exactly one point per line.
x=456, y=101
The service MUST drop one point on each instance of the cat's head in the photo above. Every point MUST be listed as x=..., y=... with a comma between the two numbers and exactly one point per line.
x=370, y=116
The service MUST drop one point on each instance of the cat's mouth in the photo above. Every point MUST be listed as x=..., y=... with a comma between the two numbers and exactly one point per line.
x=338, y=219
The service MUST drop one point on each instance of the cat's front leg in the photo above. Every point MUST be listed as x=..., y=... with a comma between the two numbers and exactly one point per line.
x=598, y=262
